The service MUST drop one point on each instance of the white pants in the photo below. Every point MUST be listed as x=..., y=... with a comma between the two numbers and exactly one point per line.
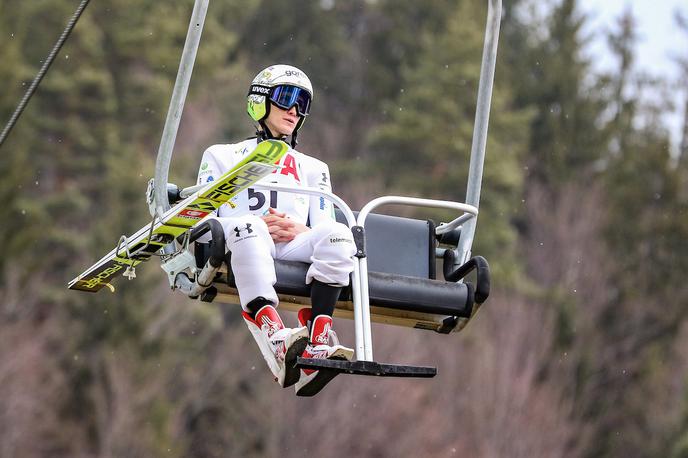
x=328, y=247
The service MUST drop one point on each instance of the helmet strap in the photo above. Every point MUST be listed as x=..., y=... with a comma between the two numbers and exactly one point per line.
x=264, y=133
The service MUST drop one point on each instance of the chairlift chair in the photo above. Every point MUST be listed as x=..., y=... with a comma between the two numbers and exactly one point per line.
x=394, y=279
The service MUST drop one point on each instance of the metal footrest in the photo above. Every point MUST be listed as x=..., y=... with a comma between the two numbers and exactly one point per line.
x=366, y=368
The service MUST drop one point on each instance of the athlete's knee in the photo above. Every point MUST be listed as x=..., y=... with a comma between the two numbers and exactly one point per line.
x=335, y=239
x=332, y=229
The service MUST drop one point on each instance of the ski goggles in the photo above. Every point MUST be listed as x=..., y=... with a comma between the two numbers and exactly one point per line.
x=286, y=96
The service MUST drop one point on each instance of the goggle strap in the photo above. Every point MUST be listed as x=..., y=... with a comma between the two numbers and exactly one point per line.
x=259, y=89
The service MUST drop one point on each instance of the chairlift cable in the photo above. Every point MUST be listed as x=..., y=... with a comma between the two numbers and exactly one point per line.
x=41, y=73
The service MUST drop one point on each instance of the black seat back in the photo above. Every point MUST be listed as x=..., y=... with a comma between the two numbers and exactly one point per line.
x=396, y=245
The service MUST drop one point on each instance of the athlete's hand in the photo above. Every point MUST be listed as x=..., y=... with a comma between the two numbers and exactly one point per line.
x=282, y=229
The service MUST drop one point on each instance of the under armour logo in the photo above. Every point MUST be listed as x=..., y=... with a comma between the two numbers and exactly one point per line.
x=324, y=177
x=247, y=228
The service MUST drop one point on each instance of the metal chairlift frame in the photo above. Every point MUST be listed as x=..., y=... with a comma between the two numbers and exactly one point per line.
x=467, y=220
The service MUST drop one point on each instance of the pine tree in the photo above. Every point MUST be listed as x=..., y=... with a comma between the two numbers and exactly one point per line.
x=644, y=239
x=566, y=106
x=424, y=147
x=79, y=161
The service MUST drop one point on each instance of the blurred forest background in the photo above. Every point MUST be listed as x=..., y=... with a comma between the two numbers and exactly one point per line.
x=582, y=349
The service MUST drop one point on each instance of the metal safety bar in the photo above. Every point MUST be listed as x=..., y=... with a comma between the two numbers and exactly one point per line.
x=469, y=210
x=359, y=281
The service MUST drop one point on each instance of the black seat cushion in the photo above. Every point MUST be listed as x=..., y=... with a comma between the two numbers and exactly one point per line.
x=386, y=290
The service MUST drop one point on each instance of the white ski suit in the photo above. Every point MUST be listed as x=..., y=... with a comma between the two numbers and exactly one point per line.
x=328, y=245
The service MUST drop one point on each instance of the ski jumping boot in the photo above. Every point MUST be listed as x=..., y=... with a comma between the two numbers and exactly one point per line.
x=312, y=381
x=280, y=346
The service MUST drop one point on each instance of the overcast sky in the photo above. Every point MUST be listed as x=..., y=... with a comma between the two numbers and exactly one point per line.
x=659, y=38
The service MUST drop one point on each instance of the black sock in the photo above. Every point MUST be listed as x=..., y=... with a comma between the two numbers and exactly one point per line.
x=323, y=298
x=255, y=305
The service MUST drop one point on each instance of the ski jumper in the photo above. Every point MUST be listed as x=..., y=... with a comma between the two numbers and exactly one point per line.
x=328, y=246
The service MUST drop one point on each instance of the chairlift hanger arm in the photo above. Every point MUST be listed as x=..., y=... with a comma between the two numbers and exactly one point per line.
x=174, y=113
x=482, y=117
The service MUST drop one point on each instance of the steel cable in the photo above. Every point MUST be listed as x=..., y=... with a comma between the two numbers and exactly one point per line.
x=41, y=73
